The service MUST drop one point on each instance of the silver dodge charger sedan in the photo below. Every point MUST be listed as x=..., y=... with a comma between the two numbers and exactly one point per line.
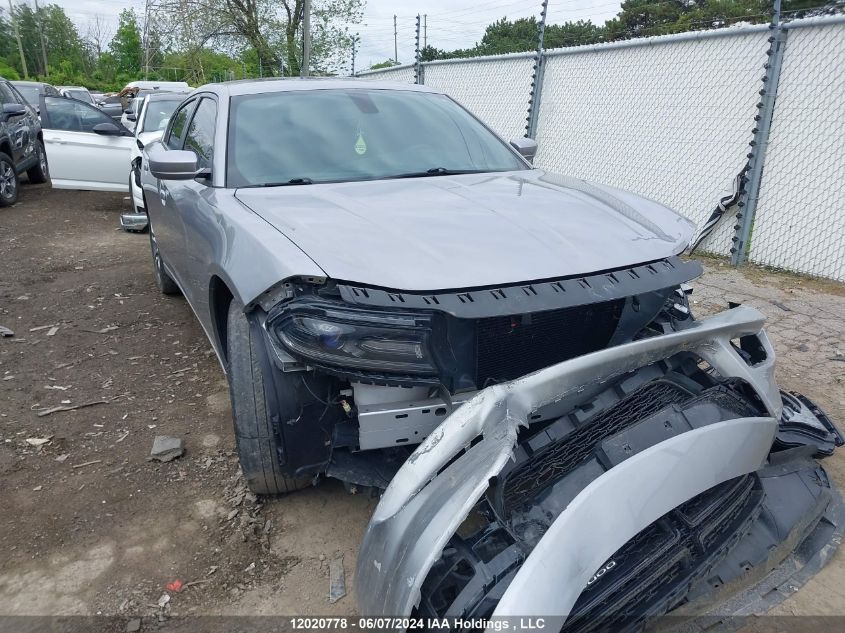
x=401, y=301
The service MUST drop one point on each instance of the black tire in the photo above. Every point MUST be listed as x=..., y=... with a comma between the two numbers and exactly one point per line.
x=258, y=445
x=9, y=182
x=164, y=281
x=40, y=172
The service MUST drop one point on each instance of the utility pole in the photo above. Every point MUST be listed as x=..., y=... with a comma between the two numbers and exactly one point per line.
x=395, y=45
x=146, y=39
x=425, y=30
x=41, y=35
x=18, y=36
x=306, y=38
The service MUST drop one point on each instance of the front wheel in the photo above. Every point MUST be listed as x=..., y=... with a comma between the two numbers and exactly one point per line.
x=40, y=172
x=259, y=445
x=8, y=181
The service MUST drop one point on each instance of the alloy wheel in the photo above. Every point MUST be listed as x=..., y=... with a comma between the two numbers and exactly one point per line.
x=42, y=160
x=8, y=182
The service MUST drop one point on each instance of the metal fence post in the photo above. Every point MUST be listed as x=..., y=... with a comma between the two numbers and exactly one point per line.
x=537, y=77
x=418, y=69
x=762, y=125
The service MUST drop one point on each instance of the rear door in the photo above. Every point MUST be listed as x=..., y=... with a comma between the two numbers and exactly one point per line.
x=79, y=156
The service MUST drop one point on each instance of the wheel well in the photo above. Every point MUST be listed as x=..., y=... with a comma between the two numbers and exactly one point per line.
x=6, y=148
x=219, y=299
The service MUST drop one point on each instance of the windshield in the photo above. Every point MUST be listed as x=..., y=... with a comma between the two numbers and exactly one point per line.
x=80, y=95
x=312, y=136
x=30, y=93
x=157, y=115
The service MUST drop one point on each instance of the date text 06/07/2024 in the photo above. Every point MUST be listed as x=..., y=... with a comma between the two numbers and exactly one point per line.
x=411, y=623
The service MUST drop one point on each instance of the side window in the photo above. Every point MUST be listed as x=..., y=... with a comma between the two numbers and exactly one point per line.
x=16, y=96
x=72, y=115
x=6, y=95
x=200, y=138
x=177, y=126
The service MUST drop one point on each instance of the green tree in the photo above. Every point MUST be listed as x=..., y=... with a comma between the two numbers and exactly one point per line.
x=273, y=28
x=60, y=37
x=388, y=63
x=504, y=36
x=6, y=37
x=573, y=34
x=125, y=47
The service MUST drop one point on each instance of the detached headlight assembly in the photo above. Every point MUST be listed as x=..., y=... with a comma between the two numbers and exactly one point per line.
x=353, y=338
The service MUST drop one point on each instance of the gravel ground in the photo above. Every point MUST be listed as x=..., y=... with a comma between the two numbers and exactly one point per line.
x=90, y=526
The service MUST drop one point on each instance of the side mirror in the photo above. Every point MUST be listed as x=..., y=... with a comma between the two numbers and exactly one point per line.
x=527, y=148
x=107, y=129
x=172, y=164
x=14, y=109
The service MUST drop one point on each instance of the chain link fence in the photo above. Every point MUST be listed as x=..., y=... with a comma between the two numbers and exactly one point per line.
x=667, y=117
x=496, y=89
x=671, y=118
x=800, y=219
x=404, y=73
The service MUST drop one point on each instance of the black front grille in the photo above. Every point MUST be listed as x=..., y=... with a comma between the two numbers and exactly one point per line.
x=508, y=347
x=556, y=459
x=649, y=575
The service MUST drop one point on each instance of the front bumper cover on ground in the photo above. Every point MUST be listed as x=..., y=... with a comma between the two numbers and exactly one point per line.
x=436, y=488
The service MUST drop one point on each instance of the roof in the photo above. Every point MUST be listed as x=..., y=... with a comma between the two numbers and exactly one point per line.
x=276, y=84
x=165, y=96
x=21, y=82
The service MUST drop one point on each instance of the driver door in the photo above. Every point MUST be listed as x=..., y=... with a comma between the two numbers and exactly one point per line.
x=86, y=148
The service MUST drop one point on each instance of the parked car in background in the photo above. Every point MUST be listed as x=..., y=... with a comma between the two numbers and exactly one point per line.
x=88, y=149
x=32, y=91
x=136, y=101
x=112, y=105
x=21, y=146
x=154, y=114
x=133, y=108
x=77, y=92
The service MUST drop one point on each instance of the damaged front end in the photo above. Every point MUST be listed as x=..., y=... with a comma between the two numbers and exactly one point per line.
x=665, y=472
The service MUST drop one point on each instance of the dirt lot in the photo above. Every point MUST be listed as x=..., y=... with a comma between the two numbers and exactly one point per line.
x=90, y=526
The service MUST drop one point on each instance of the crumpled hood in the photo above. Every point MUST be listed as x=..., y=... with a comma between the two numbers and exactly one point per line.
x=450, y=232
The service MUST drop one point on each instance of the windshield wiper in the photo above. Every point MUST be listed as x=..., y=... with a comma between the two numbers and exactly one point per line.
x=292, y=181
x=438, y=171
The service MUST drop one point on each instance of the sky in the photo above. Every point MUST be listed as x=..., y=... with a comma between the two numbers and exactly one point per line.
x=450, y=23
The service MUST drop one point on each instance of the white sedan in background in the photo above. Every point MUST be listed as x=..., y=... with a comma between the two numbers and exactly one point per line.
x=89, y=150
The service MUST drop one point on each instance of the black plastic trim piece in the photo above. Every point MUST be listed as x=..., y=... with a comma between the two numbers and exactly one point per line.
x=533, y=296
